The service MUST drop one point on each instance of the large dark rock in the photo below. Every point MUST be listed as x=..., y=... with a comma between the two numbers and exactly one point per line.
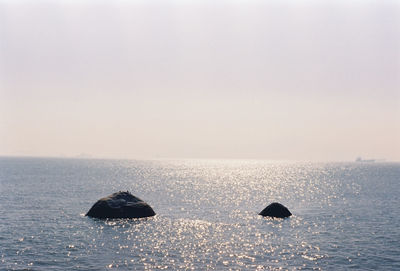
x=120, y=205
x=276, y=210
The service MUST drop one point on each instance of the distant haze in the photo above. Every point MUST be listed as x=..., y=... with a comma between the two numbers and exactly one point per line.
x=285, y=80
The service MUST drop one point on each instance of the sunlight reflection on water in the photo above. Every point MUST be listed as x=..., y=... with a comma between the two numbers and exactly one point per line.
x=206, y=215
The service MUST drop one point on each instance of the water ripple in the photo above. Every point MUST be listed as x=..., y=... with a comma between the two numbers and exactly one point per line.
x=344, y=215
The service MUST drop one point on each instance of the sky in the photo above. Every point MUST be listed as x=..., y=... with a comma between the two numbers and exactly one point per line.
x=275, y=80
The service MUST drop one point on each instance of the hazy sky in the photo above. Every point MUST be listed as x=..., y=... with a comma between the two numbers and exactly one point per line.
x=297, y=80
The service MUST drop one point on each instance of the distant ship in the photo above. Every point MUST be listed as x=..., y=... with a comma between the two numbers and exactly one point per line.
x=359, y=159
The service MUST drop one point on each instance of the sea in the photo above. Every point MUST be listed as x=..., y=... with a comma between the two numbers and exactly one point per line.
x=345, y=215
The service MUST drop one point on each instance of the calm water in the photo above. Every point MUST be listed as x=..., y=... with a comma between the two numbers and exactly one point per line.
x=345, y=215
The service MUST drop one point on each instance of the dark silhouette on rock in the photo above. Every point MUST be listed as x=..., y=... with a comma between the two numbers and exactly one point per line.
x=120, y=205
x=276, y=210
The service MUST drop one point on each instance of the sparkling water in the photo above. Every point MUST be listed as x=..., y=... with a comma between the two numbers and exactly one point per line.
x=345, y=215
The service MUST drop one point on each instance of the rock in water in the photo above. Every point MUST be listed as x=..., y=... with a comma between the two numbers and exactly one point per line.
x=276, y=210
x=120, y=205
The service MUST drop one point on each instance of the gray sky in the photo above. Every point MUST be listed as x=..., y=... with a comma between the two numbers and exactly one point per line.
x=297, y=80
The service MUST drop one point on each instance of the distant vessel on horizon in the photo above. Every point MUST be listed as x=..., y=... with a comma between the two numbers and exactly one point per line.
x=359, y=159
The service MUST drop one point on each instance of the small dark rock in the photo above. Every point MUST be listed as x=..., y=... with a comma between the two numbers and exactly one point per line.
x=276, y=210
x=120, y=205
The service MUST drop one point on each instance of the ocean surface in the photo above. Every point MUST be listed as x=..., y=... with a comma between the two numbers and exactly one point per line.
x=345, y=215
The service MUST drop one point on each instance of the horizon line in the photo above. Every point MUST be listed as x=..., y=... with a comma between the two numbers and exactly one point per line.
x=91, y=157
